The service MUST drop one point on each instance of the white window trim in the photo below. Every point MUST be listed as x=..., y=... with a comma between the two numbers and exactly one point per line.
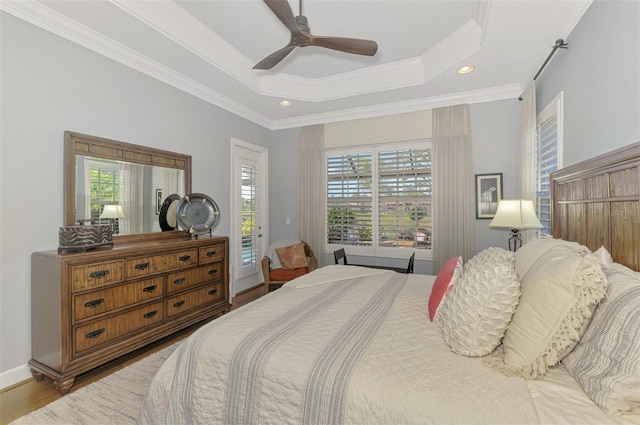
x=374, y=250
x=556, y=106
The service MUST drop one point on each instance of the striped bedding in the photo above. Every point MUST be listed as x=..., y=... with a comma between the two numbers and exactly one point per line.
x=341, y=345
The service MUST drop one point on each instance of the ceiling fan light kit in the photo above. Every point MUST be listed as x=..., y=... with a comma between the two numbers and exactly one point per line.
x=301, y=37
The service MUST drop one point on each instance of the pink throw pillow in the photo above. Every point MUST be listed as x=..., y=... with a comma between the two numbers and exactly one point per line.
x=447, y=276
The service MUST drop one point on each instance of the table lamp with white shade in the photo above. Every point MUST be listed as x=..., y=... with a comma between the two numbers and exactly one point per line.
x=112, y=212
x=517, y=215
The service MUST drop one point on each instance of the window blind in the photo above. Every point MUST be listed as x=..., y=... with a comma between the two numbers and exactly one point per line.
x=546, y=163
x=404, y=198
x=349, y=199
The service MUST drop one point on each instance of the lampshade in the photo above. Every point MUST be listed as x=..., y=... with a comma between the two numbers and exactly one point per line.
x=112, y=211
x=516, y=214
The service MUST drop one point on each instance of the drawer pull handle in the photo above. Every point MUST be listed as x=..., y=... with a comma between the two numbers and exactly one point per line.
x=214, y=271
x=178, y=304
x=95, y=334
x=150, y=314
x=185, y=258
x=150, y=288
x=101, y=273
x=213, y=292
x=211, y=254
x=94, y=303
x=179, y=281
x=141, y=266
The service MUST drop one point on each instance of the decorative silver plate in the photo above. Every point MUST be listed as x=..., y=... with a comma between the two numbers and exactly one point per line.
x=197, y=213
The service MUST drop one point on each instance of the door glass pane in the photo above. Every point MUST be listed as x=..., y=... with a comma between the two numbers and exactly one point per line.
x=249, y=211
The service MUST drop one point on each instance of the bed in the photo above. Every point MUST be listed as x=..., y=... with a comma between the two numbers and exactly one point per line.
x=354, y=345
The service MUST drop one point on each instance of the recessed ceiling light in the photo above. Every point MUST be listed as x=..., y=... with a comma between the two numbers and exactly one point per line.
x=465, y=69
x=285, y=103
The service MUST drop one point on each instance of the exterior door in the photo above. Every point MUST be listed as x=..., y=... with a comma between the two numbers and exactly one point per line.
x=249, y=214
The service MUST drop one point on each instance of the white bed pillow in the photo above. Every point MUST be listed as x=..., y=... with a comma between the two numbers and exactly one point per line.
x=531, y=251
x=606, y=361
x=476, y=312
x=559, y=293
x=603, y=257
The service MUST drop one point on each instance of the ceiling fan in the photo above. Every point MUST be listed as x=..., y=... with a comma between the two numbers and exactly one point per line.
x=301, y=37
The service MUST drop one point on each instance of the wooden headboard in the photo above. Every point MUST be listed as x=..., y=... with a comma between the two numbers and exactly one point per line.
x=597, y=202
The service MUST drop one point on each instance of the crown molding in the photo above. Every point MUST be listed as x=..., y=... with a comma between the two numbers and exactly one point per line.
x=511, y=91
x=52, y=21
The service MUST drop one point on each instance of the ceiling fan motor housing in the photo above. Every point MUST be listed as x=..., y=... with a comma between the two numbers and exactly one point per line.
x=303, y=23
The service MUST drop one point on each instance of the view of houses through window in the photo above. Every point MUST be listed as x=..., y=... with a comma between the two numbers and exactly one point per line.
x=380, y=197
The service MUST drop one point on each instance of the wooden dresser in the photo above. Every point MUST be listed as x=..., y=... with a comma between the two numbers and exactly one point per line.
x=90, y=308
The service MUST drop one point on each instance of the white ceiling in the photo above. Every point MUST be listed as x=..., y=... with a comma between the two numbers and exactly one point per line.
x=208, y=49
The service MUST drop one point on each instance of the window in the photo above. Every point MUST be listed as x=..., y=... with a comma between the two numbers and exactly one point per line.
x=104, y=189
x=548, y=158
x=379, y=199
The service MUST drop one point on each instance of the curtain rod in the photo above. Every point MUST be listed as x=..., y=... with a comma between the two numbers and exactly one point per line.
x=560, y=44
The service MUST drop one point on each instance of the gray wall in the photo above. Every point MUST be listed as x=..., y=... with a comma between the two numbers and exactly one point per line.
x=495, y=135
x=600, y=76
x=50, y=85
x=284, y=169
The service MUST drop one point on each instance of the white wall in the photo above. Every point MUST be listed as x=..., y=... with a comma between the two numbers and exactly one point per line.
x=600, y=76
x=50, y=85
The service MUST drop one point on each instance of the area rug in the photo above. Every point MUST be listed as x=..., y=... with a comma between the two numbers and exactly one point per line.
x=114, y=399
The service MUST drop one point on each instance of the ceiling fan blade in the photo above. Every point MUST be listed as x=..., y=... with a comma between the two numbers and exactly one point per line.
x=274, y=58
x=348, y=45
x=283, y=12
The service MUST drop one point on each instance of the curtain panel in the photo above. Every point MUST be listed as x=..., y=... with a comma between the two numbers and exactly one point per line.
x=453, y=185
x=312, y=191
x=528, y=139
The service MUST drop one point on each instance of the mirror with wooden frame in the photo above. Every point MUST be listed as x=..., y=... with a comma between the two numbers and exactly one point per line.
x=121, y=184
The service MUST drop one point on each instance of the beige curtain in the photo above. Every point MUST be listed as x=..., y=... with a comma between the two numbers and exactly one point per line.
x=453, y=185
x=131, y=192
x=312, y=192
x=528, y=137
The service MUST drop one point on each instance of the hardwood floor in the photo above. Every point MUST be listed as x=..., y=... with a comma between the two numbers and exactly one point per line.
x=29, y=395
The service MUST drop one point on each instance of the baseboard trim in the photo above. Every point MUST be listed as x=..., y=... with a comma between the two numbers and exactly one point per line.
x=14, y=376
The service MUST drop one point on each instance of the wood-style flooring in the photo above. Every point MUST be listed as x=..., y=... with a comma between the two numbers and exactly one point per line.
x=29, y=395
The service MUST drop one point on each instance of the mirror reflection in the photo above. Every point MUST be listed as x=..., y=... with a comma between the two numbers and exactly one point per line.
x=126, y=195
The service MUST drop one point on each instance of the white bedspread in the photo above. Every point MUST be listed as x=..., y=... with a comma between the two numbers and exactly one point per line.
x=342, y=345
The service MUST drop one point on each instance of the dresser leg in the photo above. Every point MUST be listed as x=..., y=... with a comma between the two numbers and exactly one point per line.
x=63, y=387
x=37, y=375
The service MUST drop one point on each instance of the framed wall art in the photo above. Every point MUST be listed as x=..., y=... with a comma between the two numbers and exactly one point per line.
x=488, y=193
x=158, y=201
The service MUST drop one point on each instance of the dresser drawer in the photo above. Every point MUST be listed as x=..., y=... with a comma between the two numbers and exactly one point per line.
x=102, y=331
x=210, y=254
x=137, y=267
x=181, y=280
x=98, y=302
x=192, y=299
x=97, y=274
x=174, y=260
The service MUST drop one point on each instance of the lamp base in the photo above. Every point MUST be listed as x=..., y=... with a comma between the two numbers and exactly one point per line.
x=515, y=241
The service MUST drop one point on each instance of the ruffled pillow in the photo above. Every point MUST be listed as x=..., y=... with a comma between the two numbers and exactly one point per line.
x=559, y=293
x=478, y=309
